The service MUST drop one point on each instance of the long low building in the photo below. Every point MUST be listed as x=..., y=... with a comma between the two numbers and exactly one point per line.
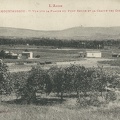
x=94, y=54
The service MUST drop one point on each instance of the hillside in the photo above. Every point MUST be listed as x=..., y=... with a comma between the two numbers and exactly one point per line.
x=80, y=33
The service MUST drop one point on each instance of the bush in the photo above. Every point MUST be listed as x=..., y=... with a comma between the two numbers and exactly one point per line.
x=110, y=96
x=82, y=102
x=91, y=100
x=94, y=101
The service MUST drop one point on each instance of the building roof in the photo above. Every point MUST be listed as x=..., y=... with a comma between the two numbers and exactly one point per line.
x=81, y=52
x=27, y=52
x=93, y=51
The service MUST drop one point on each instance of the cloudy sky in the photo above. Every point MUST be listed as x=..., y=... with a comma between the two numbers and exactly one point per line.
x=59, y=20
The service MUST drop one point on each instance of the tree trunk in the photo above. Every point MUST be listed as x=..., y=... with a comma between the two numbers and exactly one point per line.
x=0, y=99
x=61, y=96
x=78, y=94
x=31, y=97
x=101, y=94
x=85, y=94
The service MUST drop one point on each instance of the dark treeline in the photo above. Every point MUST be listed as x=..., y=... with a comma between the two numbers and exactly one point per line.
x=60, y=43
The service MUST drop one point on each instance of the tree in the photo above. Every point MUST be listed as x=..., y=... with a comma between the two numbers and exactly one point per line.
x=18, y=83
x=38, y=80
x=100, y=79
x=61, y=81
x=2, y=54
x=4, y=79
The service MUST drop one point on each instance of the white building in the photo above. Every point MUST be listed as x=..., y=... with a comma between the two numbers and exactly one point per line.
x=93, y=54
x=27, y=55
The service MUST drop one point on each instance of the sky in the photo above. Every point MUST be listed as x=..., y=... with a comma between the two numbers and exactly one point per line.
x=72, y=14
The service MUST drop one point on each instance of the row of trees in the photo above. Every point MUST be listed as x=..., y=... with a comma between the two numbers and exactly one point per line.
x=77, y=79
x=60, y=43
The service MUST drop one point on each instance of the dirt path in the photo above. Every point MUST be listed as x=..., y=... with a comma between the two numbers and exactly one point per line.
x=88, y=62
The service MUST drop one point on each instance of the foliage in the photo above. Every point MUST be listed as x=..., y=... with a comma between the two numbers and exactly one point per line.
x=18, y=82
x=4, y=79
x=62, y=80
x=38, y=80
x=91, y=100
x=59, y=80
x=111, y=96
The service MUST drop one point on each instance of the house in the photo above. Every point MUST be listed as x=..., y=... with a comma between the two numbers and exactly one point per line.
x=93, y=54
x=27, y=55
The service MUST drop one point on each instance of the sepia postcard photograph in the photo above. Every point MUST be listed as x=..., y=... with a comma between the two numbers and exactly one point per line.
x=59, y=60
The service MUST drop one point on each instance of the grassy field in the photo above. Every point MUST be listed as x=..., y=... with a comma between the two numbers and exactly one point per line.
x=115, y=62
x=55, y=110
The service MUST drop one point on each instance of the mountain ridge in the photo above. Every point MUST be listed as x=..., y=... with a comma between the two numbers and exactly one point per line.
x=75, y=33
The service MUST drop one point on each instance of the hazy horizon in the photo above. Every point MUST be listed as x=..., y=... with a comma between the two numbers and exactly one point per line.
x=63, y=29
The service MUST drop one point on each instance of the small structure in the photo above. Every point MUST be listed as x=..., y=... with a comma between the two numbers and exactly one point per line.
x=115, y=55
x=82, y=54
x=93, y=54
x=14, y=56
x=119, y=55
x=8, y=55
x=27, y=55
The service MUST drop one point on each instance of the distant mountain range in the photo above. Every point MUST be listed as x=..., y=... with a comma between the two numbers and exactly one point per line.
x=76, y=33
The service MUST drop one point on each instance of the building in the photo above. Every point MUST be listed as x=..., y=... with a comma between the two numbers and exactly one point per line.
x=82, y=54
x=27, y=55
x=8, y=55
x=14, y=56
x=93, y=54
x=115, y=55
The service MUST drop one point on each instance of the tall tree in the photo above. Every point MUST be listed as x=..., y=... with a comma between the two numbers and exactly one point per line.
x=4, y=79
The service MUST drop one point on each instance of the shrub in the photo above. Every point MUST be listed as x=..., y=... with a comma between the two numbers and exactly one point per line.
x=91, y=100
x=110, y=96
x=94, y=101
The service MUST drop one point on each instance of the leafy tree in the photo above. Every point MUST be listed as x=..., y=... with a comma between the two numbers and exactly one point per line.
x=100, y=80
x=38, y=80
x=18, y=82
x=61, y=80
x=5, y=87
x=2, y=54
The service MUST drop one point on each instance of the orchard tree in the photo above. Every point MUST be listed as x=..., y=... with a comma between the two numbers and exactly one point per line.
x=5, y=87
x=61, y=81
x=18, y=83
x=38, y=80
x=100, y=79
x=83, y=80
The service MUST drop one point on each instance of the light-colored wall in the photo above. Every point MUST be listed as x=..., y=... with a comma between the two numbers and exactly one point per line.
x=88, y=54
x=28, y=55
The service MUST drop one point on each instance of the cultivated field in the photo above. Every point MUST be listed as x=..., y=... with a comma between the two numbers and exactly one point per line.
x=57, y=56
